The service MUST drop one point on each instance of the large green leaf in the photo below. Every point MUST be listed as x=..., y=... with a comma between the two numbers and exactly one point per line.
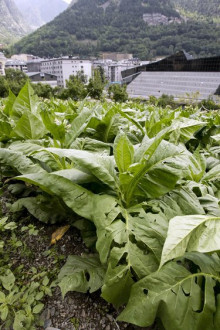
x=101, y=166
x=82, y=274
x=108, y=126
x=78, y=125
x=76, y=176
x=5, y=130
x=132, y=120
x=212, y=175
x=58, y=131
x=191, y=233
x=77, y=198
x=48, y=209
x=132, y=247
x=19, y=162
x=157, y=173
x=198, y=166
x=123, y=152
x=91, y=145
x=180, y=299
x=185, y=128
x=25, y=101
x=26, y=147
x=9, y=104
x=29, y=126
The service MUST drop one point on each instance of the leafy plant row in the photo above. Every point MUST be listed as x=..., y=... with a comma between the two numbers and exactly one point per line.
x=141, y=183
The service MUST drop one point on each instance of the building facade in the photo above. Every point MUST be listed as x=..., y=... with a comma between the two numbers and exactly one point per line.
x=3, y=60
x=63, y=67
x=16, y=65
x=34, y=65
x=113, y=70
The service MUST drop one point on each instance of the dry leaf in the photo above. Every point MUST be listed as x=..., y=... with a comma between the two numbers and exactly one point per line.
x=58, y=234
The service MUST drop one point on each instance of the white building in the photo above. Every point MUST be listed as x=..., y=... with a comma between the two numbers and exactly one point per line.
x=113, y=69
x=63, y=67
x=3, y=60
x=16, y=65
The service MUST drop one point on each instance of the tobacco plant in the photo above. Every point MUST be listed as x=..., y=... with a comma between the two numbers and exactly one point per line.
x=145, y=185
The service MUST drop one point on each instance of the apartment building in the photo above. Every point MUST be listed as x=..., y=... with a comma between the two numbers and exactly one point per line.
x=16, y=65
x=63, y=67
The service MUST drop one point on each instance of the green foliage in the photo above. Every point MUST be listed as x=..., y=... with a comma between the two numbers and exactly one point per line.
x=43, y=90
x=95, y=86
x=163, y=101
x=16, y=79
x=198, y=8
x=21, y=295
x=76, y=87
x=209, y=104
x=118, y=93
x=144, y=181
x=3, y=87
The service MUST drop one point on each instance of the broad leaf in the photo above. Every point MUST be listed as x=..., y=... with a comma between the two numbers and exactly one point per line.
x=77, y=198
x=173, y=290
x=161, y=166
x=81, y=274
x=25, y=101
x=212, y=175
x=29, y=126
x=78, y=126
x=46, y=209
x=191, y=233
x=103, y=167
x=129, y=261
x=19, y=162
x=123, y=152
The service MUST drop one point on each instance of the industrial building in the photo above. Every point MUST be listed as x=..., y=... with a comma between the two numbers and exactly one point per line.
x=43, y=78
x=179, y=75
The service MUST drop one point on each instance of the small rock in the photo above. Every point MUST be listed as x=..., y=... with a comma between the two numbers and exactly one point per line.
x=83, y=314
x=50, y=328
x=52, y=311
x=110, y=317
x=47, y=323
x=108, y=327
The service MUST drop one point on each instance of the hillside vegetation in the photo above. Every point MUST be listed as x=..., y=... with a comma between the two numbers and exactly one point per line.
x=205, y=8
x=89, y=27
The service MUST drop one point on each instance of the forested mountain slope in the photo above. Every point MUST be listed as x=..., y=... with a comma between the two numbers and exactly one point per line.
x=88, y=27
x=12, y=24
x=206, y=8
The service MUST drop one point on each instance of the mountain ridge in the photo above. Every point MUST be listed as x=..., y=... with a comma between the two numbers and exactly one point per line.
x=88, y=27
x=11, y=22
